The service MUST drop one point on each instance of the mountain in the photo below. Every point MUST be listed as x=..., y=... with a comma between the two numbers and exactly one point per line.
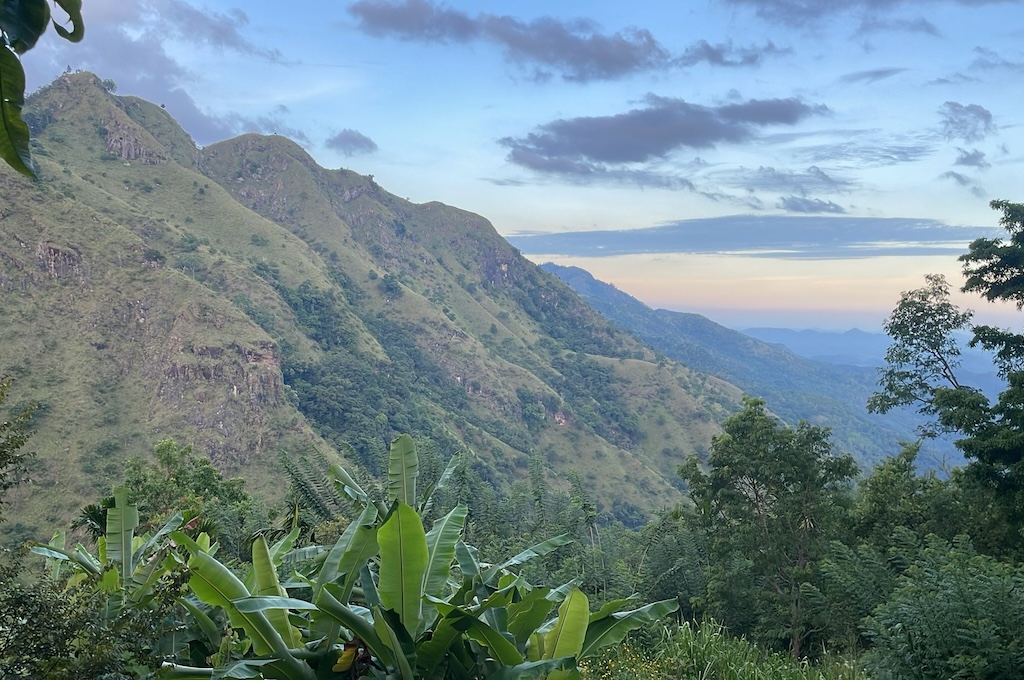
x=280, y=316
x=795, y=388
x=850, y=348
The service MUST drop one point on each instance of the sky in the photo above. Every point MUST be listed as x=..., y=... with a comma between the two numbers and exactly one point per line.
x=875, y=124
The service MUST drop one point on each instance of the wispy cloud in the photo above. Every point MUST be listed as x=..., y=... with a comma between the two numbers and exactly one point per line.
x=803, y=12
x=973, y=158
x=967, y=122
x=599, y=146
x=788, y=236
x=351, y=143
x=809, y=181
x=871, y=76
x=876, y=24
x=802, y=204
x=578, y=50
x=964, y=181
x=128, y=43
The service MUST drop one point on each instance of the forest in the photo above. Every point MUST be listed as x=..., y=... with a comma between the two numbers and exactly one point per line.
x=786, y=561
x=783, y=559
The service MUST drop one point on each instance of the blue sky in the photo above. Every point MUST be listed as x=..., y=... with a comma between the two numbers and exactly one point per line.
x=595, y=116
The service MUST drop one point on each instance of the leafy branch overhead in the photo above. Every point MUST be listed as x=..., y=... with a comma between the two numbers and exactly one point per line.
x=22, y=23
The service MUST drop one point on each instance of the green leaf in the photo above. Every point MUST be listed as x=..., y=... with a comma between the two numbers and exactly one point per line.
x=261, y=603
x=24, y=21
x=346, y=485
x=403, y=563
x=533, y=669
x=14, y=134
x=538, y=550
x=441, y=540
x=428, y=495
x=390, y=635
x=268, y=586
x=503, y=650
x=205, y=623
x=611, y=629
x=74, y=12
x=527, y=615
x=359, y=620
x=570, y=629
x=170, y=525
x=122, y=521
x=403, y=467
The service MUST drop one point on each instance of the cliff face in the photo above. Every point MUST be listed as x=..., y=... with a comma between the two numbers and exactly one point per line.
x=246, y=300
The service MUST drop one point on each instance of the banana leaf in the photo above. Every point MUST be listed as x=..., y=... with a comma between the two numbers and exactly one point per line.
x=403, y=467
x=403, y=564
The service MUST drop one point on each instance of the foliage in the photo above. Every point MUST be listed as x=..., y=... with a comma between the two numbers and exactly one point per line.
x=186, y=483
x=922, y=362
x=770, y=503
x=22, y=23
x=14, y=434
x=953, y=614
x=706, y=650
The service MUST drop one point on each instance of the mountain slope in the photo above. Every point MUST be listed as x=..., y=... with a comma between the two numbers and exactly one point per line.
x=795, y=388
x=243, y=298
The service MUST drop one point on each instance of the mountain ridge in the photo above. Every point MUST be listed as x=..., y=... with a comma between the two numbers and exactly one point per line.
x=244, y=299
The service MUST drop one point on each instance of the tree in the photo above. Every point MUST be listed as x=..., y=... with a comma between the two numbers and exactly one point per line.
x=922, y=361
x=22, y=22
x=769, y=505
x=953, y=614
x=13, y=435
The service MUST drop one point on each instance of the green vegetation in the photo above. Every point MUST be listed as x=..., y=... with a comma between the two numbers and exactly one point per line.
x=283, y=318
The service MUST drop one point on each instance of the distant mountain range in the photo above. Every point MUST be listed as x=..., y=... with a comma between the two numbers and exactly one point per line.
x=795, y=387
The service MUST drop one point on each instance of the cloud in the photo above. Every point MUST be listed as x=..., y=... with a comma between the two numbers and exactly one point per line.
x=867, y=154
x=964, y=181
x=601, y=147
x=128, y=43
x=970, y=123
x=351, y=143
x=811, y=180
x=726, y=55
x=874, y=24
x=209, y=28
x=803, y=12
x=973, y=158
x=989, y=60
x=577, y=49
x=872, y=76
x=786, y=236
x=802, y=204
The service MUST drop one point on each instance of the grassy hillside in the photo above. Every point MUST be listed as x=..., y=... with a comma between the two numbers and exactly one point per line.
x=244, y=299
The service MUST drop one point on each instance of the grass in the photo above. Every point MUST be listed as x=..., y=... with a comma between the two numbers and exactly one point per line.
x=705, y=651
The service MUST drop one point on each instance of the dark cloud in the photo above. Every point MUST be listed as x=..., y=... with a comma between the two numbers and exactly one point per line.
x=414, y=20
x=810, y=181
x=568, y=146
x=726, y=54
x=583, y=171
x=803, y=12
x=578, y=49
x=973, y=158
x=786, y=236
x=872, y=76
x=351, y=143
x=875, y=24
x=802, y=204
x=970, y=123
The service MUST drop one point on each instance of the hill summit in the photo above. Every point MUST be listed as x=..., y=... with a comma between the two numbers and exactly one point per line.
x=279, y=314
